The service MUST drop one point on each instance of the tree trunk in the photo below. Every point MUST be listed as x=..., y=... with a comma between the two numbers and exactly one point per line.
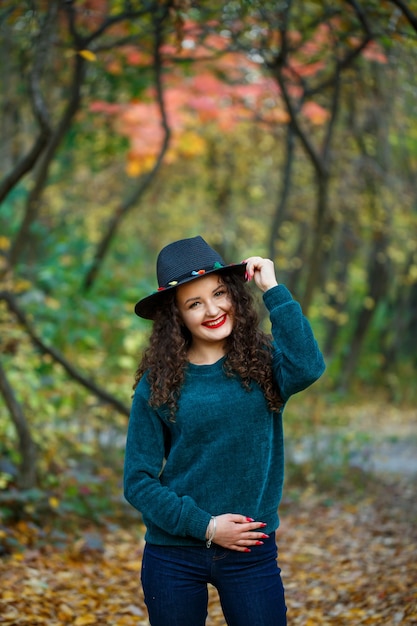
x=27, y=449
x=399, y=335
x=280, y=211
x=299, y=259
x=34, y=200
x=344, y=250
x=322, y=226
x=378, y=281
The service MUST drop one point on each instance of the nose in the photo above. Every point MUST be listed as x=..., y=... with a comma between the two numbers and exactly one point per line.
x=212, y=308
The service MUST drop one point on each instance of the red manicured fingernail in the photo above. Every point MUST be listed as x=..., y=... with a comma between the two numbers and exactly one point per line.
x=249, y=519
x=263, y=525
x=264, y=536
x=246, y=550
x=259, y=543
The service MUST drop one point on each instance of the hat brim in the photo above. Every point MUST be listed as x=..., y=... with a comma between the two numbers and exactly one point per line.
x=146, y=307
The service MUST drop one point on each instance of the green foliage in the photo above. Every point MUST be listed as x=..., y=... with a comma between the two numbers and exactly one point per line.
x=72, y=493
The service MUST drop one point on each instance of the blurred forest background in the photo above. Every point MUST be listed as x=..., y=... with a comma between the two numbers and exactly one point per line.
x=281, y=128
x=286, y=129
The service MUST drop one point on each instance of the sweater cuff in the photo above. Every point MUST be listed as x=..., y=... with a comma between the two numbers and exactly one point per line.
x=197, y=520
x=276, y=295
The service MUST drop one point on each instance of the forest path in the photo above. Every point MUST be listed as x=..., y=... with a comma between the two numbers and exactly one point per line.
x=345, y=561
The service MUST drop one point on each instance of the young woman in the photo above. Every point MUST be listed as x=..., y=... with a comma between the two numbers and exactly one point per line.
x=204, y=455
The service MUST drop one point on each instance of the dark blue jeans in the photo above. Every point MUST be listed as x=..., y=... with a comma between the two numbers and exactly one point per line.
x=174, y=581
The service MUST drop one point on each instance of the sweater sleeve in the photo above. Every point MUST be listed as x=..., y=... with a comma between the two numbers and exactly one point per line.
x=298, y=361
x=144, y=457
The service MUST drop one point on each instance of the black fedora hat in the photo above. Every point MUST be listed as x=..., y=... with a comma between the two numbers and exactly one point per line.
x=180, y=262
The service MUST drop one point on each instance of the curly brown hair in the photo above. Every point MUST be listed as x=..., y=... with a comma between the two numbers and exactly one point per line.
x=248, y=350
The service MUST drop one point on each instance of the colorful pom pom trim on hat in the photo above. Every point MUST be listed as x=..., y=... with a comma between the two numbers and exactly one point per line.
x=196, y=273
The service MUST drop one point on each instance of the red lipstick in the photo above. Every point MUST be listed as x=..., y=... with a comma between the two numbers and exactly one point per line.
x=215, y=323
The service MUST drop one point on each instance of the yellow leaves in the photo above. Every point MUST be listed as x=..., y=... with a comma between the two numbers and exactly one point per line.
x=85, y=620
x=334, y=566
x=88, y=55
x=116, y=7
x=137, y=165
x=332, y=314
x=65, y=614
x=369, y=303
x=134, y=566
x=132, y=343
x=52, y=303
x=7, y=596
x=257, y=192
x=188, y=144
x=5, y=479
x=191, y=144
x=55, y=586
x=4, y=243
x=53, y=502
x=21, y=285
x=412, y=274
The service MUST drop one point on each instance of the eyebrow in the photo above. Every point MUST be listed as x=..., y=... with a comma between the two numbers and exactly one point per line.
x=195, y=298
x=191, y=300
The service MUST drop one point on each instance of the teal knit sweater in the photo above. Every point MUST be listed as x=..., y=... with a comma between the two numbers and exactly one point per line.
x=226, y=446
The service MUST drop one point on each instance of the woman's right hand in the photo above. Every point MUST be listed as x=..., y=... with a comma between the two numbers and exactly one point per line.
x=237, y=532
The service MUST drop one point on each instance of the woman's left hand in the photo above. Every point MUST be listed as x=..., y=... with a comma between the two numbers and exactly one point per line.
x=238, y=532
x=262, y=271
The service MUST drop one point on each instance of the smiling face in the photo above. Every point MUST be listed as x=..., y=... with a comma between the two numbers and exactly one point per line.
x=206, y=309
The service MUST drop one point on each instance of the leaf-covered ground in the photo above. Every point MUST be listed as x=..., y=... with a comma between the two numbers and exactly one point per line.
x=342, y=564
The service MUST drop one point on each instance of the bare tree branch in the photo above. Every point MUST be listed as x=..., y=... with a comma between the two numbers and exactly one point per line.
x=130, y=202
x=405, y=9
x=33, y=203
x=49, y=142
x=27, y=470
x=27, y=162
x=333, y=114
x=293, y=113
x=279, y=214
x=107, y=23
x=344, y=63
x=106, y=397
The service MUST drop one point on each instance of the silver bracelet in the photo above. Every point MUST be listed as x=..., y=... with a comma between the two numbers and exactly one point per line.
x=212, y=532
